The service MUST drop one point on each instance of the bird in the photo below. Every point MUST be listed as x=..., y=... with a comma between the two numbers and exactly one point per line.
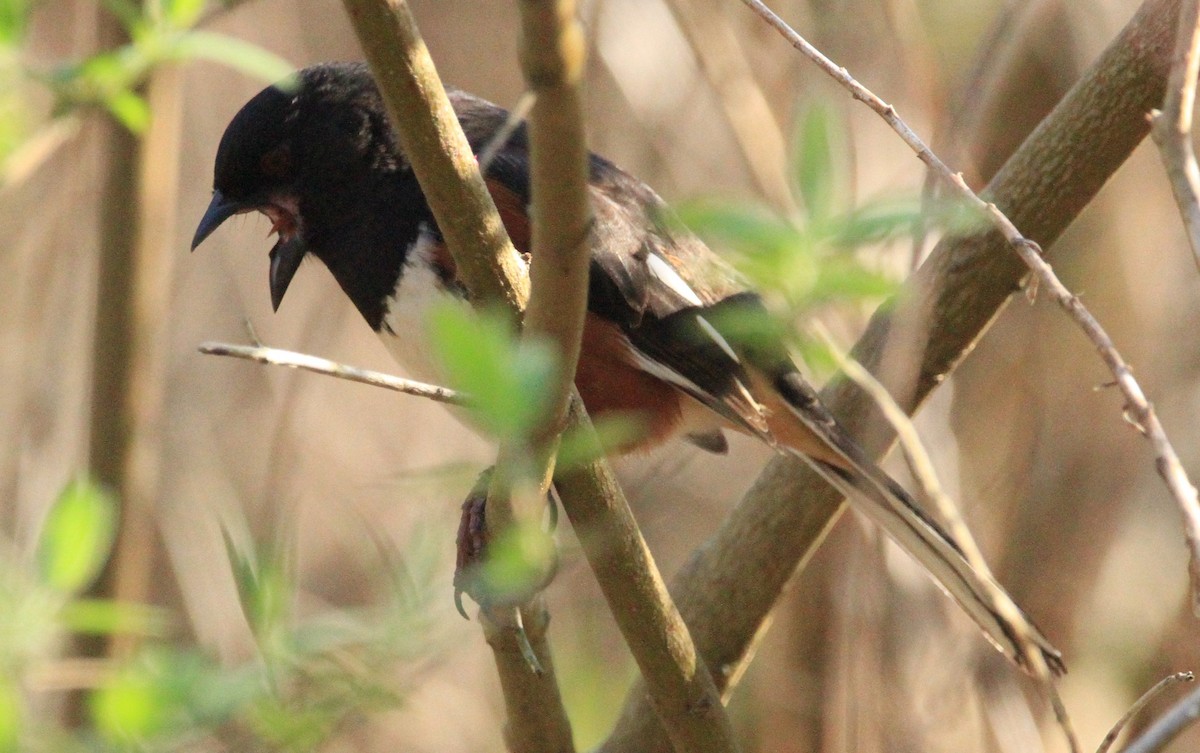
x=664, y=337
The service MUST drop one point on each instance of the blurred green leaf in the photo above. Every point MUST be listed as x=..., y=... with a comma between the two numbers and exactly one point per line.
x=748, y=229
x=182, y=14
x=821, y=165
x=878, y=222
x=517, y=561
x=769, y=250
x=264, y=585
x=128, y=12
x=578, y=447
x=10, y=715
x=130, y=109
x=506, y=377
x=843, y=277
x=170, y=692
x=817, y=356
x=105, y=71
x=290, y=727
x=14, y=19
x=77, y=537
x=129, y=707
x=237, y=54
x=106, y=617
x=954, y=216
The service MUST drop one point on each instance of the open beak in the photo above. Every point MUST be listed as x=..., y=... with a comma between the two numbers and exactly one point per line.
x=285, y=260
x=287, y=253
x=219, y=210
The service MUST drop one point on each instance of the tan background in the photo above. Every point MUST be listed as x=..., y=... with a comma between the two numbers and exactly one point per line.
x=1060, y=490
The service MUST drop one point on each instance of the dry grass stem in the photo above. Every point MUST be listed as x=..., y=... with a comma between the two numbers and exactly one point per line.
x=1154, y=692
x=1160, y=734
x=923, y=471
x=1139, y=409
x=318, y=365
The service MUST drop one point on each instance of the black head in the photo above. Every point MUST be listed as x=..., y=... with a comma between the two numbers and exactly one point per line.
x=304, y=153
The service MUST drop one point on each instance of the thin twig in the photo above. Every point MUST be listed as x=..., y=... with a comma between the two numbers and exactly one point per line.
x=317, y=365
x=726, y=591
x=1171, y=127
x=923, y=471
x=1147, y=697
x=1181, y=716
x=1138, y=408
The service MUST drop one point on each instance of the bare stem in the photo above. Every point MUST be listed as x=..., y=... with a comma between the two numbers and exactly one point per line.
x=1159, y=688
x=1171, y=127
x=317, y=365
x=1138, y=408
x=1181, y=716
x=728, y=588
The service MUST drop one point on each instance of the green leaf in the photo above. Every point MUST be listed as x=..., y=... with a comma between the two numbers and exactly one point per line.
x=506, y=378
x=182, y=14
x=77, y=537
x=130, y=109
x=517, y=560
x=10, y=715
x=878, y=222
x=105, y=617
x=14, y=19
x=264, y=585
x=127, y=12
x=821, y=161
x=579, y=447
x=748, y=229
x=171, y=692
x=237, y=54
x=774, y=254
x=129, y=707
x=107, y=70
x=843, y=278
x=817, y=356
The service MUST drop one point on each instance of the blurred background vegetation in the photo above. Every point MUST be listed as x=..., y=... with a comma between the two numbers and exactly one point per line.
x=282, y=577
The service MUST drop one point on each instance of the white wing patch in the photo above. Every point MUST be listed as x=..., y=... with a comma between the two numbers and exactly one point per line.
x=712, y=332
x=666, y=274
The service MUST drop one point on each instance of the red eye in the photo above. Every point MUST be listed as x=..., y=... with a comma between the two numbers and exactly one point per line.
x=277, y=162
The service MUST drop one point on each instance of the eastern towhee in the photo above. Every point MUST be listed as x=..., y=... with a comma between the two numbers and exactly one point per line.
x=665, y=335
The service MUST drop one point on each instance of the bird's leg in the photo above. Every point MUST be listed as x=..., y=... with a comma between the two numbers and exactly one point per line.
x=472, y=551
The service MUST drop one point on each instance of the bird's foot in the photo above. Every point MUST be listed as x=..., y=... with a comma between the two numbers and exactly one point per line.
x=500, y=573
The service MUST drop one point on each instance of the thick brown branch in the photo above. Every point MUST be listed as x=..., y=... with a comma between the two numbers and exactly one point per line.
x=1142, y=412
x=435, y=145
x=681, y=689
x=489, y=266
x=728, y=588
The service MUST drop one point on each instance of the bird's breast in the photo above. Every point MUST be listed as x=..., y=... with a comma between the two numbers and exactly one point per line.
x=405, y=329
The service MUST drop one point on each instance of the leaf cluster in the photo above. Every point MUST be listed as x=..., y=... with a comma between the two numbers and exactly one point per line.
x=160, y=32
x=310, y=676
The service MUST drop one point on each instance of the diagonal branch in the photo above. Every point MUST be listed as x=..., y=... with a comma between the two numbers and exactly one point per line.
x=650, y=622
x=1138, y=408
x=317, y=365
x=487, y=263
x=728, y=588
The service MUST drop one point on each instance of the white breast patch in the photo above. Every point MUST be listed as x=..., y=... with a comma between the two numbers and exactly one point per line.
x=405, y=330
